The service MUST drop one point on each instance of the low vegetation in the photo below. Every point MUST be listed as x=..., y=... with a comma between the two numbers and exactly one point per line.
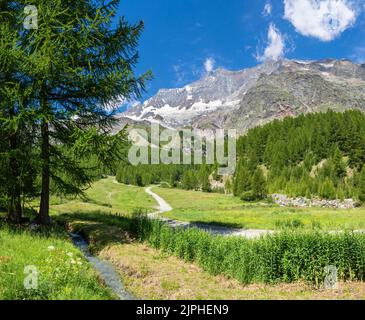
x=152, y=274
x=291, y=257
x=62, y=271
x=282, y=257
x=224, y=268
x=173, y=272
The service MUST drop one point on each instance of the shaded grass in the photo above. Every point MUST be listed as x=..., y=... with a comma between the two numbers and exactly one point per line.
x=284, y=257
x=101, y=229
x=288, y=257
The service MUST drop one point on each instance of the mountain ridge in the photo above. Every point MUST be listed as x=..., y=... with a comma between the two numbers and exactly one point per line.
x=246, y=98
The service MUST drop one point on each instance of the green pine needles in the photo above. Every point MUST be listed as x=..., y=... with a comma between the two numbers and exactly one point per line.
x=61, y=85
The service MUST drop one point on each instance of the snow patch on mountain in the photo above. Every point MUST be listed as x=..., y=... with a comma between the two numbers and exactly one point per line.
x=246, y=98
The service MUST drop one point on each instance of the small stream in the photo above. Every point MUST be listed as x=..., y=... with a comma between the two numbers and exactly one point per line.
x=105, y=269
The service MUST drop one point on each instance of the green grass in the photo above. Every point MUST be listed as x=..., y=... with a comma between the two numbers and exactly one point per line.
x=283, y=257
x=58, y=277
x=107, y=196
x=63, y=272
x=222, y=209
x=105, y=213
x=120, y=197
x=150, y=273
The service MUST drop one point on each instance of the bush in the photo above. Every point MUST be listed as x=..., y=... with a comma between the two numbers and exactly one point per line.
x=249, y=196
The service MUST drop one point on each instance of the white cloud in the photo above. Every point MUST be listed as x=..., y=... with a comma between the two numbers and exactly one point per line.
x=276, y=46
x=322, y=19
x=209, y=65
x=267, y=9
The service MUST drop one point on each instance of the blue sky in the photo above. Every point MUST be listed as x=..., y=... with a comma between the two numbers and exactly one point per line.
x=185, y=39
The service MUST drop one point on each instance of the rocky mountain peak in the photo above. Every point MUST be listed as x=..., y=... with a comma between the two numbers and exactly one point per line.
x=246, y=98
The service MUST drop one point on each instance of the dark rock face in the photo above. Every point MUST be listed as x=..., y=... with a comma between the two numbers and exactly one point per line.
x=248, y=98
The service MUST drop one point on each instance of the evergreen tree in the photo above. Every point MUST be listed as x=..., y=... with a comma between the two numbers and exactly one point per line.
x=242, y=181
x=228, y=186
x=327, y=189
x=302, y=153
x=203, y=177
x=337, y=160
x=361, y=185
x=78, y=64
x=258, y=184
x=17, y=158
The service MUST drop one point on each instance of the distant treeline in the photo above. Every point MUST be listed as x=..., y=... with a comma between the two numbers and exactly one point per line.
x=320, y=154
x=189, y=177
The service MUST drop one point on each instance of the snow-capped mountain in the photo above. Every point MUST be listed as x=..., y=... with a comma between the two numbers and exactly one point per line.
x=251, y=97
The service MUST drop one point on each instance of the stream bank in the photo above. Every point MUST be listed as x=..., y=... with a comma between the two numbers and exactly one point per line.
x=106, y=271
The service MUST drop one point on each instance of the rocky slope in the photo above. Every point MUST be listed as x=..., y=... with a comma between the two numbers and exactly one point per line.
x=244, y=99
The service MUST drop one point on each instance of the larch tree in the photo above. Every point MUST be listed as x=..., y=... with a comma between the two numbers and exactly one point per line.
x=16, y=129
x=81, y=63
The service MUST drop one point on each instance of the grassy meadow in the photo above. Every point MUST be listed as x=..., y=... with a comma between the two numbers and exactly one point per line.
x=106, y=195
x=156, y=262
x=227, y=210
x=63, y=272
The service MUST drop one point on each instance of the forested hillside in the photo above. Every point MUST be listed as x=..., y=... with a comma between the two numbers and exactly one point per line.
x=319, y=154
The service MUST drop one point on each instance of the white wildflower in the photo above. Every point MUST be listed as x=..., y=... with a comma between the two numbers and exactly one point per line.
x=50, y=248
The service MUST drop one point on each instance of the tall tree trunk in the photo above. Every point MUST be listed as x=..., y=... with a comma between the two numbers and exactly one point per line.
x=43, y=217
x=15, y=207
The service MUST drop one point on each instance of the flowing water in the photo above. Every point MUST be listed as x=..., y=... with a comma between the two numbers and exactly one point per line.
x=105, y=269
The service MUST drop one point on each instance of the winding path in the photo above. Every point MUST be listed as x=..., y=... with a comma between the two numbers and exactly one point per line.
x=164, y=207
